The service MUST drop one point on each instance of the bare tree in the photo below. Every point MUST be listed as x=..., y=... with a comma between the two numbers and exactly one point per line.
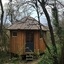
x=2, y=14
x=42, y=3
x=18, y=9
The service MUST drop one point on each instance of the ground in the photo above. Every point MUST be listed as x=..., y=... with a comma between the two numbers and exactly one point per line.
x=30, y=62
x=5, y=58
x=34, y=62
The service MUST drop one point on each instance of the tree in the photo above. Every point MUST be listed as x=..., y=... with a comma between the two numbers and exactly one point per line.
x=59, y=31
x=4, y=36
x=1, y=26
x=2, y=14
x=24, y=6
x=18, y=9
x=42, y=3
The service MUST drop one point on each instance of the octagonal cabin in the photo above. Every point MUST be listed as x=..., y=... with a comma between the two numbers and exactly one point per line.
x=25, y=37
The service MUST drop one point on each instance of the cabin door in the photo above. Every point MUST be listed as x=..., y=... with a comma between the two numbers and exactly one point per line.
x=29, y=41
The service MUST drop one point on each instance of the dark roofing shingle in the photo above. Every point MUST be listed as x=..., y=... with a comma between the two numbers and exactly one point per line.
x=27, y=23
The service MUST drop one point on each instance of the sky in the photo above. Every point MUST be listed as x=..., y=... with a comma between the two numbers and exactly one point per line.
x=5, y=1
x=34, y=14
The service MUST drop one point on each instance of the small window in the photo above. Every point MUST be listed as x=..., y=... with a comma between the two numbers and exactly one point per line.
x=14, y=33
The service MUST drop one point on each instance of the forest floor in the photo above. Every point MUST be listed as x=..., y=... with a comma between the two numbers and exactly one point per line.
x=33, y=62
x=6, y=59
x=28, y=62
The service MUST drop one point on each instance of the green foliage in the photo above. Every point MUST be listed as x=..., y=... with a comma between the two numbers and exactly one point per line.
x=6, y=58
x=47, y=58
x=4, y=40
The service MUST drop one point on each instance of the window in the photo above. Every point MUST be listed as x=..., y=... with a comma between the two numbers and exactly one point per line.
x=14, y=33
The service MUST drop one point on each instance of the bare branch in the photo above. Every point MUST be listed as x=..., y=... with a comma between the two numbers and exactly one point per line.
x=39, y=1
x=60, y=3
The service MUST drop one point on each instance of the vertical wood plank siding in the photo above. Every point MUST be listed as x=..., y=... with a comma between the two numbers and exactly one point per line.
x=21, y=42
x=17, y=44
x=36, y=41
x=42, y=45
x=39, y=45
x=13, y=41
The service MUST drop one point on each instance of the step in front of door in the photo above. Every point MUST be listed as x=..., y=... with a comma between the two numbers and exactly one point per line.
x=29, y=57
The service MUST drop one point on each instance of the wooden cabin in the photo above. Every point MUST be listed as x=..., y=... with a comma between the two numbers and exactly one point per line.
x=25, y=37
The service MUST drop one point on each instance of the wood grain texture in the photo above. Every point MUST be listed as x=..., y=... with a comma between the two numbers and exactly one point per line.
x=17, y=44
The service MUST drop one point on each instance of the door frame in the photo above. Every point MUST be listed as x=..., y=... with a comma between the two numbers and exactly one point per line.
x=29, y=32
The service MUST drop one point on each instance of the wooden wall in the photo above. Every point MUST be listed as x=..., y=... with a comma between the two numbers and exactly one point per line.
x=39, y=45
x=17, y=44
x=36, y=42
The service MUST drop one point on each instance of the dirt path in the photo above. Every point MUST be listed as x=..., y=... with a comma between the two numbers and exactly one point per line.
x=33, y=62
x=29, y=62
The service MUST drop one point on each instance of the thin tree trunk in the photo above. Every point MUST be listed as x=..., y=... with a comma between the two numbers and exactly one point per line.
x=59, y=33
x=11, y=13
x=1, y=28
x=1, y=17
x=41, y=33
x=51, y=31
x=52, y=35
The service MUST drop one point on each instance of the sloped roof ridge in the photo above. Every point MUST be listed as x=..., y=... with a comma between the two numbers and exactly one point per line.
x=26, y=23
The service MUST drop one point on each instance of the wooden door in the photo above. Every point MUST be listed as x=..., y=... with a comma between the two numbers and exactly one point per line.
x=29, y=41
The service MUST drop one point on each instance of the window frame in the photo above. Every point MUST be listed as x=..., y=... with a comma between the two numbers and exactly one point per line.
x=14, y=35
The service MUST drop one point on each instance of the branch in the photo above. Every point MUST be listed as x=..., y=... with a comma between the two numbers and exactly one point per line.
x=53, y=3
x=39, y=1
x=60, y=3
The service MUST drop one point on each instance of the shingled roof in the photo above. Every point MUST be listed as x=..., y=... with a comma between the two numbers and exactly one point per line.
x=27, y=23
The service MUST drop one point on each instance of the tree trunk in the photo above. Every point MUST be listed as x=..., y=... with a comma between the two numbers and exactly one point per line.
x=41, y=33
x=51, y=31
x=11, y=13
x=52, y=36
x=59, y=33
x=1, y=18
